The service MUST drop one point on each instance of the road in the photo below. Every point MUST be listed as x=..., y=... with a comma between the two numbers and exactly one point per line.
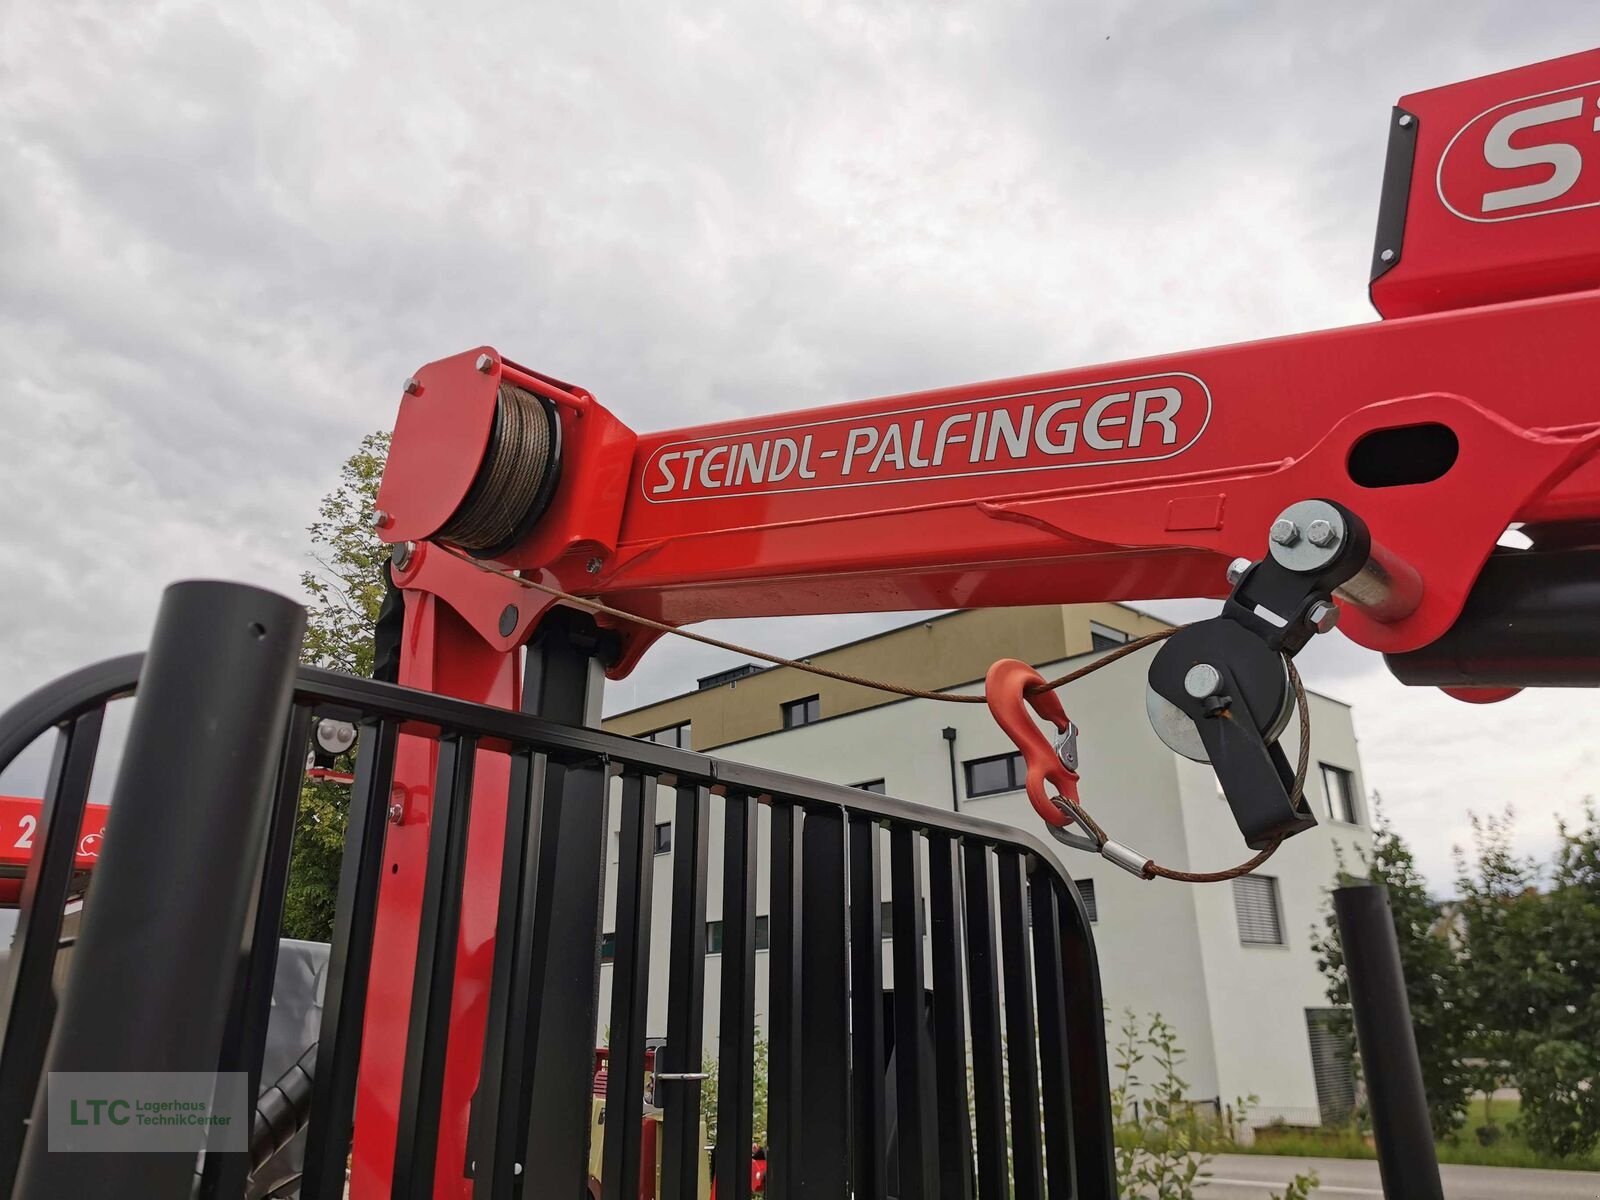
x=1255, y=1177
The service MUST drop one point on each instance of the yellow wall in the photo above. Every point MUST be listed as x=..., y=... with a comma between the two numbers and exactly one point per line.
x=946, y=650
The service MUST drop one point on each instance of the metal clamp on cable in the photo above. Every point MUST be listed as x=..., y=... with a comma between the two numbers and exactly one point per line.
x=1128, y=859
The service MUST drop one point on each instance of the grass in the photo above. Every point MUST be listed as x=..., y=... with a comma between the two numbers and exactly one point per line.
x=1510, y=1151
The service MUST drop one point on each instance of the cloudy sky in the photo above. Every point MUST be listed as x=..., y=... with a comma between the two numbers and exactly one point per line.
x=230, y=231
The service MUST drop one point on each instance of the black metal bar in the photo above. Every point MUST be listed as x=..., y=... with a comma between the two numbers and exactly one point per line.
x=244, y=1036
x=1407, y=1161
x=735, y=1049
x=869, y=1135
x=562, y=681
x=434, y=974
x=952, y=1114
x=499, y=1110
x=1092, y=1131
x=630, y=989
x=27, y=1003
x=1055, y=1076
x=344, y=1003
x=988, y=1081
x=914, y=1128
x=64, y=700
x=682, y=1156
x=153, y=969
x=822, y=1162
x=783, y=1003
x=1027, y=1169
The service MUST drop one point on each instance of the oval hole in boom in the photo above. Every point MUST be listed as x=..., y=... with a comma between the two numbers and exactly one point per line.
x=1408, y=454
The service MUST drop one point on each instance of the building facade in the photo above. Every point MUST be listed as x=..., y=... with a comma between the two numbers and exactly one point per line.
x=1230, y=966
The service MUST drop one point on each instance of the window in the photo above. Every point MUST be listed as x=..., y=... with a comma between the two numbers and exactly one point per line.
x=998, y=773
x=672, y=735
x=714, y=935
x=871, y=785
x=1103, y=637
x=1086, y=890
x=1331, y=1068
x=663, y=837
x=608, y=946
x=801, y=712
x=1255, y=903
x=1340, y=785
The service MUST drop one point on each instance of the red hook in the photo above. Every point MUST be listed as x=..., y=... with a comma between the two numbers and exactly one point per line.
x=1005, y=689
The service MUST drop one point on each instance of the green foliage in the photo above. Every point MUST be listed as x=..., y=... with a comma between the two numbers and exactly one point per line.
x=1164, y=1142
x=346, y=591
x=1436, y=979
x=708, y=1093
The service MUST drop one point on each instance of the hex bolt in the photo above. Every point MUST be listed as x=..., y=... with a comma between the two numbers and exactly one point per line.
x=1323, y=616
x=1405, y=121
x=412, y=387
x=485, y=363
x=402, y=555
x=1322, y=534
x=381, y=519
x=1236, y=570
x=1387, y=256
x=1285, y=532
x=593, y=566
x=1202, y=680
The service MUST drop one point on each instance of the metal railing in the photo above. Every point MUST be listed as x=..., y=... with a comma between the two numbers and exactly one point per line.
x=1007, y=1097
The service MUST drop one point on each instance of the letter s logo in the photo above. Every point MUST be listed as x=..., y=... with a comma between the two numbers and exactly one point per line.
x=1565, y=158
x=1525, y=158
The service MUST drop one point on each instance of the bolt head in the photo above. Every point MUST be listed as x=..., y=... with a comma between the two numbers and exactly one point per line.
x=1236, y=570
x=1405, y=120
x=381, y=519
x=412, y=387
x=1202, y=680
x=485, y=363
x=593, y=566
x=1322, y=533
x=1387, y=256
x=1323, y=616
x=1285, y=532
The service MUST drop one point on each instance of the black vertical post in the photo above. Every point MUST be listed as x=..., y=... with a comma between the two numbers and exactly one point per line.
x=735, y=1069
x=682, y=1155
x=949, y=1019
x=784, y=1049
x=1407, y=1162
x=913, y=1089
x=869, y=1134
x=153, y=971
x=823, y=1135
x=562, y=682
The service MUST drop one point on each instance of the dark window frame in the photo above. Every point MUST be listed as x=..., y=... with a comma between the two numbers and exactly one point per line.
x=663, y=845
x=1016, y=774
x=1347, y=786
x=1105, y=637
x=1275, y=895
x=681, y=729
x=763, y=935
x=876, y=786
x=809, y=709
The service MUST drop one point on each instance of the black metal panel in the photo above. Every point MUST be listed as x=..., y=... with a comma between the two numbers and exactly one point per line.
x=1395, y=197
x=344, y=1002
x=983, y=983
x=1055, y=1077
x=735, y=1065
x=153, y=971
x=630, y=988
x=1027, y=1168
x=869, y=1133
x=28, y=1004
x=681, y=1155
x=1092, y=1131
x=784, y=1048
x=244, y=1037
x=914, y=1102
x=822, y=1155
x=952, y=1114
x=500, y=1108
x=433, y=978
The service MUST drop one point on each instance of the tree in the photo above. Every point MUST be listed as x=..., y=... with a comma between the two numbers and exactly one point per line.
x=346, y=591
x=1435, y=977
x=1536, y=969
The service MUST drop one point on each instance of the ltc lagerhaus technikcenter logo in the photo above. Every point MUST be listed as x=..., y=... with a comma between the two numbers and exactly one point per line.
x=155, y=1111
